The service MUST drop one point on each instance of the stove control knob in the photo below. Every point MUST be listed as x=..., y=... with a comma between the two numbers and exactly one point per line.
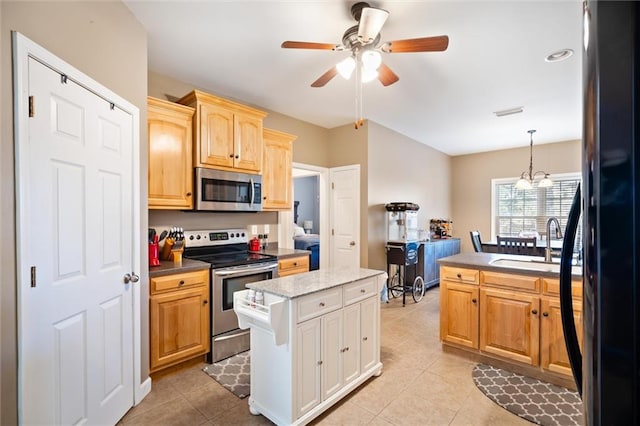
x=191, y=237
x=198, y=237
x=243, y=234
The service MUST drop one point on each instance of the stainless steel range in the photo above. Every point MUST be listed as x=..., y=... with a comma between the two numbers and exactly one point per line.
x=232, y=266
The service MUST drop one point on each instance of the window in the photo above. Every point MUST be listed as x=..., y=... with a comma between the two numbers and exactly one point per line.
x=518, y=211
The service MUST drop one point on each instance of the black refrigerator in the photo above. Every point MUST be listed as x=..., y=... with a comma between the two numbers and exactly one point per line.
x=607, y=372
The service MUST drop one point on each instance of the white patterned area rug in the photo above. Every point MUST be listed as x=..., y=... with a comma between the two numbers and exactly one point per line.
x=232, y=373
x=539, y=402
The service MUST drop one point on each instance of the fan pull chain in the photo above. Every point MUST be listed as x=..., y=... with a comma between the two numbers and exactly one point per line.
x=359, y=115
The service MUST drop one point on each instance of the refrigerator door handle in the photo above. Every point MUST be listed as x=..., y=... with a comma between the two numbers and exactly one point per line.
x=566, y=300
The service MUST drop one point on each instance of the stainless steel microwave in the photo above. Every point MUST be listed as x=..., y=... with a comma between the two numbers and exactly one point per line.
x=218, y=190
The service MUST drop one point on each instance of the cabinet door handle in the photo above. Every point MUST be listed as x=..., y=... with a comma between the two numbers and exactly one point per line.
x=321, y=304
x=204, y=302
x=534, y=312
x=295, y=263
x=346, y=349
x=545, y=314
x=320, y=362
x=181, y=282
x=474, y=300
x=230, y=155
x=364, y=339
x=363, y=291
x=237, y=156
x=459, y=275
x=188, y=194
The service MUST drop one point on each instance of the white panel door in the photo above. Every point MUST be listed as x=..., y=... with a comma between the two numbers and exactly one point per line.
x=76, y=342
x=345, y=216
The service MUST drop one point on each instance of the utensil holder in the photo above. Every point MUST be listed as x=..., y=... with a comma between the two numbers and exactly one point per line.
x=154, y=254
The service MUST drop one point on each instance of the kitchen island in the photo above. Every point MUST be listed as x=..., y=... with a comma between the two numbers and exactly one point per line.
x=504, y=310
x=314, y=339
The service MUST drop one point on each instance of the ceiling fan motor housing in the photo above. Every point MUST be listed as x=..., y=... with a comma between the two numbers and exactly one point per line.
x=356, y=9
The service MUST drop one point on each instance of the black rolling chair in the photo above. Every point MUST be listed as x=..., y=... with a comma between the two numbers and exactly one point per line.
x=475, y=239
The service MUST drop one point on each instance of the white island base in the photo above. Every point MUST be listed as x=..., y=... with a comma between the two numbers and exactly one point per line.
x=311, y=348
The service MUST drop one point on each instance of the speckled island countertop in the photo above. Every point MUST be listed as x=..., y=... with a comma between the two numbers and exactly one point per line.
x=167, y=267
x=298, y=285
x=508, y=263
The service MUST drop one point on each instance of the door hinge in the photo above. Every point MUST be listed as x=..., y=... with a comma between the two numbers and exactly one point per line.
x=33, y=276
x=32, y=111
x=331, y=231
x=333, y=185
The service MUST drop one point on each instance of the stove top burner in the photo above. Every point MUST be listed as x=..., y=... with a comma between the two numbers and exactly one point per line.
x=233, y=259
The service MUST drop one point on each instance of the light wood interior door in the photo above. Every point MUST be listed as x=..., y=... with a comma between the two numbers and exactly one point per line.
x=510, y=325
x=459, y=314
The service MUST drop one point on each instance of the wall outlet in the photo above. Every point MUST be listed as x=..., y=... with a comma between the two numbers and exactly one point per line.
x=266, y=229
x=254, y=229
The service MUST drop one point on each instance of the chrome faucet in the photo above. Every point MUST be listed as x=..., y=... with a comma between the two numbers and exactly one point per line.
x=547, y=251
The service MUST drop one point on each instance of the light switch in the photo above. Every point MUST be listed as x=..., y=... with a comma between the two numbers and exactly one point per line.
x=254, y=229
x=266, y=229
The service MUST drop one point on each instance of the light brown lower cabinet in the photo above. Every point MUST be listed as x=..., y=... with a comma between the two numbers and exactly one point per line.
x=179, y=318
x=293, y=265
x=459, y=314
x=553, y=356
x=513, y=318
x=510, y=325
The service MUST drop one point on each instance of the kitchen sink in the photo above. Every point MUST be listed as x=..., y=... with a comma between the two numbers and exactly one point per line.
x=534, y=265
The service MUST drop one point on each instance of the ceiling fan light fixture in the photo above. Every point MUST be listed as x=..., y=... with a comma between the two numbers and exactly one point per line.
x=371, y=21
x=368, y=74
x=371, y=59
x=346, y=67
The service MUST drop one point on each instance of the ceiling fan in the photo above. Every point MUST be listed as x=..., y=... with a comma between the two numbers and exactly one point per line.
x=363, y=40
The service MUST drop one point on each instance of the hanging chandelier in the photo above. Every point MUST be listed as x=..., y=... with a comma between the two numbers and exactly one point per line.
x=527, y=178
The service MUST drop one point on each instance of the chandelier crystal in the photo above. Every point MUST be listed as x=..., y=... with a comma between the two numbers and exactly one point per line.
x=527, y=177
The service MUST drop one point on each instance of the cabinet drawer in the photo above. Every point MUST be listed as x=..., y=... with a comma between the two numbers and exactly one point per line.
x=462, y=275
x=359, y=290
x=551, y=286
x=320, y=303
x=179, y=281
x=293, y=265
x=517, y=282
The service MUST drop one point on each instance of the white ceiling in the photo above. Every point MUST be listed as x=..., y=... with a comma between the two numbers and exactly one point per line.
x=446, y=100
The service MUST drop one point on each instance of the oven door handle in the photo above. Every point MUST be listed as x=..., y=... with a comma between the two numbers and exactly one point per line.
x=245, y=271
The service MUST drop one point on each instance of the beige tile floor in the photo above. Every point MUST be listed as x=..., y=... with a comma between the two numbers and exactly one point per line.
x=420, y=385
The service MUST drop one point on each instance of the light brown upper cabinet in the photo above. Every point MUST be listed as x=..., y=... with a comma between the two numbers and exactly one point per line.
x=170, y=158
x=228, y=135
x=277, y=183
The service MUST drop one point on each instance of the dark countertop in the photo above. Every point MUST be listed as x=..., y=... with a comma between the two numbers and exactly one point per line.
x=282, y=253
x=512, y=264
x=167, y=267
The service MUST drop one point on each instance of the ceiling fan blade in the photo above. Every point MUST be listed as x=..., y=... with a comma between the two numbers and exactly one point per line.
x=424, y=44
x=386, y=76
x=307, y=45
x=325, y=78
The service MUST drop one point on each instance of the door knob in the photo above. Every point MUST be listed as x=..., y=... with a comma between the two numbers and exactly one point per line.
x=352, y=243
x=131, y=278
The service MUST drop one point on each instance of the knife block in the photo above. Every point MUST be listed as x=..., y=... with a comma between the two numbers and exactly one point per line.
x=166, y=249
x=176, y=252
